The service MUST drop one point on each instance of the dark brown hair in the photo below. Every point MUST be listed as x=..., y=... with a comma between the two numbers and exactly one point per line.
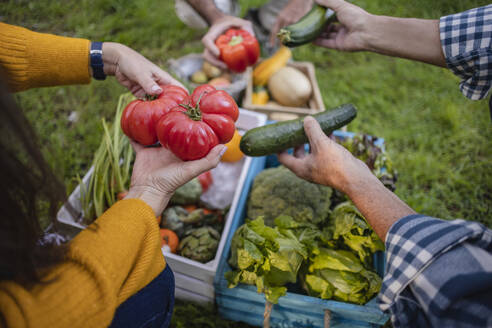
x=28, y=189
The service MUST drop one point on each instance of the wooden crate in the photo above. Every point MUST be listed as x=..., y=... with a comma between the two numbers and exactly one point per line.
x=315, y=104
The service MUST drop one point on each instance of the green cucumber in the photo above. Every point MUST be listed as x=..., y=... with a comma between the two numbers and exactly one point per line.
x=307, y=28
x=274, y=138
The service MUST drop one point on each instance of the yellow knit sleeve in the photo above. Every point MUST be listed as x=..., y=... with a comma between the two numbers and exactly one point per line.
x=33, y=59
x=111, y=260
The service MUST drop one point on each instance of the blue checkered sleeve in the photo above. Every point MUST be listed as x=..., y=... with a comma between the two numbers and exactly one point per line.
x=438, y=273
x=466, y=40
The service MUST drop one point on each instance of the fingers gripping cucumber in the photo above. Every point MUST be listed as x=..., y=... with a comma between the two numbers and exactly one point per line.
x=307, y=28
x=274, y=138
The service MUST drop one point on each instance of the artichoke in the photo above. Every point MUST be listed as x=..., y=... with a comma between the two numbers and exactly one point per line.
x=187, y=194
x=200, y=244
x=174, y=219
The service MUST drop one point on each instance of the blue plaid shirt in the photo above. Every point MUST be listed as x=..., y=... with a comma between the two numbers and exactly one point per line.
x=438, y=273
x=466, y=40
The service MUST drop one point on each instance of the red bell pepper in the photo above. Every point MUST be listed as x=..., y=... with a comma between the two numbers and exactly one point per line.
x=199, y=123
x=238, y=49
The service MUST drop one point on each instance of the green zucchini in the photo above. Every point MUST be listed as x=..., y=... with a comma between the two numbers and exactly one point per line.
x=274, y=138
x=307, y=28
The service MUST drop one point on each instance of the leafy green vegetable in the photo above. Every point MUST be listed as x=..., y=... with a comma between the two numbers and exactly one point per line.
x=340, y=275
x=278, y=191
x=351, y=228
x=364, y=148
x=266, y=257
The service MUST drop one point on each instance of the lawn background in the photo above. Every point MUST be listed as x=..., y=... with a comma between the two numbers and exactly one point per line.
x=440, y=142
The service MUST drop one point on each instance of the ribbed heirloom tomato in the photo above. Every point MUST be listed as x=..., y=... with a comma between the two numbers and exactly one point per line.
x=200, y=122
x=140, y=116
x=238, y=49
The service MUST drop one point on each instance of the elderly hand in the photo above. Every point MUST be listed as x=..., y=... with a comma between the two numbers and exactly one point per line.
x=211, y=52
x=134, y=71
x=349, y=33
x=157, y=173
x=290, y=14
x=328, y=163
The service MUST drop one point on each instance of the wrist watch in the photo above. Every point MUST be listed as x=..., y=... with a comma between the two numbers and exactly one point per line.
x=97, y=64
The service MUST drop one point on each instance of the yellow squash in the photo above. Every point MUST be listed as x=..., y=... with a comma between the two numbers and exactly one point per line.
x=269, y=66
x=260, y=96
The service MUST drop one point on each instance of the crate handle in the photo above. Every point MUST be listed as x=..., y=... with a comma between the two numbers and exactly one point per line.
x=267, y=314
x=327, y=318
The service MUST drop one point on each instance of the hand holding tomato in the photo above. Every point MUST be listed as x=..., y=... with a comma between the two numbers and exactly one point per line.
x=157, y=173
x=238, y=49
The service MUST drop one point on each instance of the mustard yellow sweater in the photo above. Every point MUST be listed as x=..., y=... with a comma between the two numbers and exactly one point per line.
x=113, y=258
x=38, y=60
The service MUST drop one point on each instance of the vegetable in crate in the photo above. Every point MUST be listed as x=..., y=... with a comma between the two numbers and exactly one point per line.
x=265, y=257
x=112, y=168
x=274, y=138
x=290, y=87
x=238, y=49
x=200, y=244
x=189, y=193
x=307, y=28
x=265, y=69
x=278, y=191
x=233, y=153
x=259, y=96
x=169, y=240
x=205, y=180
x=364, y=148
x=199, y=123
x=339, y=275
x=140, y=116
x=173, y=219
x=349, y=226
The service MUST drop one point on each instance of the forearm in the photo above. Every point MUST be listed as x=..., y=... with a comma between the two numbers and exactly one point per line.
x=207, y=9
x=32, y=59
x=416, y=39
x=379, y=205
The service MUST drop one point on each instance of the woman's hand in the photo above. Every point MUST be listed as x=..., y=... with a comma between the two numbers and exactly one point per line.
x=134, y=71
x=349, y=33
x=219, y=26
x=290, y=14
x=157, y=173
x=328, y=163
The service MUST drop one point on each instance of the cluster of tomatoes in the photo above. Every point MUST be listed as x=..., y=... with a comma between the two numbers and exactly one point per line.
x=191, y=125
x=188, y=125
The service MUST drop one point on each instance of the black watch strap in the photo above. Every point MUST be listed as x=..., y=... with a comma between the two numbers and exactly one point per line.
x=97, y=61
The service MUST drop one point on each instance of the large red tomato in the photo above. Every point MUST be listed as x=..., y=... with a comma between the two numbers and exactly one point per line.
x=199, y=123
x=238, y=49
x=140, y=116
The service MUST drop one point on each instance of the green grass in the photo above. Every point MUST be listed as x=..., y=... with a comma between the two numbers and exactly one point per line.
x=440, y=142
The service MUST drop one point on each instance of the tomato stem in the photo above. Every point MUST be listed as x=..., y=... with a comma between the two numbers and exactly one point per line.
x=235, y=40
x=194, y=112
x=150, y=97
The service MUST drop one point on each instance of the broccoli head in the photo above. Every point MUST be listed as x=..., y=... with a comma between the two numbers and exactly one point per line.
x=278, y=191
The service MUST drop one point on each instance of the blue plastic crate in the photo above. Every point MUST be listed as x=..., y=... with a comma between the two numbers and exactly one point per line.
x=243, y=303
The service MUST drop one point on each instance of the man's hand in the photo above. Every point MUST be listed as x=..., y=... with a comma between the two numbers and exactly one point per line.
x=328, y=163
x=212, y=53
x=134, y=71
x=290, y=14
x=157, y=173
x=332, y=165
x=348, y=34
